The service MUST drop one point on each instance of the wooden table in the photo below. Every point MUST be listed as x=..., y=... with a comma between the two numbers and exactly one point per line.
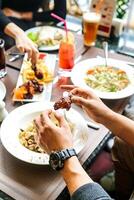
x=24, y=181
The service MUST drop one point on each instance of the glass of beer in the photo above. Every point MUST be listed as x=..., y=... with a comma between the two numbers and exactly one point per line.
x=2, y=59
x=90, y=26
x=66, y=55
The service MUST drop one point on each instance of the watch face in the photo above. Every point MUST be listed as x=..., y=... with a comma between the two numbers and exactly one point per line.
x=55, y=161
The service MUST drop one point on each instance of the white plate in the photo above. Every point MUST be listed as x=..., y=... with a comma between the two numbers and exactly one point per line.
x=2, y=90
x=46, y=32
x=23, y=115
x=79, y=72
x=50, y=61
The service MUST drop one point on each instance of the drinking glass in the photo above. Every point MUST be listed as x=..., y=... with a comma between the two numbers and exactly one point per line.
x=90, y=26
x=2, y=59
x=66, y=55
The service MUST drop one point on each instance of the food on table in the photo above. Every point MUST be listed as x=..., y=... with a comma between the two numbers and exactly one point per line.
x=27, y=137
x=34, y=78
x=28, y=89
x=63, y=103
x=40, y=72
x=42, y=38
x=33, y=36
x=106, y=79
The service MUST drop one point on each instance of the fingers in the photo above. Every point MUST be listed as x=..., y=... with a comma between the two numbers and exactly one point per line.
x=77, y=91
x=68, y=87
x=80, y=101
x=21, y=48
x=38, y=124
x=61, y=119
x=34, y=56
x=83, y=93
x=24, y=44
x=46, y=117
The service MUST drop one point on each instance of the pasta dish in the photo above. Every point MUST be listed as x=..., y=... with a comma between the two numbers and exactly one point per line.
x=27, y=137
x=106, y=79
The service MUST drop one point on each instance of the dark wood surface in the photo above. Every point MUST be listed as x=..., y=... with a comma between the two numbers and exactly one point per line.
x=30, y=182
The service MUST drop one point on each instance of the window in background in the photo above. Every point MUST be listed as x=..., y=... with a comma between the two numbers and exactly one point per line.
x=126, y=43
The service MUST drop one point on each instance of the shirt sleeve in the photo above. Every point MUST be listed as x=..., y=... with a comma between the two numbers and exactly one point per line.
x=92, y=191
x=3, y=21
x=59, y=9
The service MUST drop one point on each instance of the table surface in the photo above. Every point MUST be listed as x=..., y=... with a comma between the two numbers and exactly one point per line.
x=24, y=181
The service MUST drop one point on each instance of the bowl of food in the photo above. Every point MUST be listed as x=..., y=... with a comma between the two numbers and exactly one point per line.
x=114, y=81
x=19, y=138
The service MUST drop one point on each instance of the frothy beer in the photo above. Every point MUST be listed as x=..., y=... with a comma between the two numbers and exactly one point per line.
x=90, y=27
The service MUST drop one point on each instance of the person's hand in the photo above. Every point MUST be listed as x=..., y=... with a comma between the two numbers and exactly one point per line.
x=89, y=102
x=11, y=13
x=24, y=44
x=49, y=136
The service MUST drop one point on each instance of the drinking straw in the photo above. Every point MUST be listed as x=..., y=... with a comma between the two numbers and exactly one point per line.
x=62, y=20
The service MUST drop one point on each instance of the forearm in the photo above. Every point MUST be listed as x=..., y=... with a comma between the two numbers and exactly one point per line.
x=120, y=126
x=13, y=30
x=74, y=175
x=79, y=184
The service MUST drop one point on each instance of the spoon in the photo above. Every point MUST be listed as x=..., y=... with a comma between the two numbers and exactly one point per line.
x=105, y=48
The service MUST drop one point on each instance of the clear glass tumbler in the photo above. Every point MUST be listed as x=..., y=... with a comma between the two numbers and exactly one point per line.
x=66, y=55
x=2, y=59
x=90, y=27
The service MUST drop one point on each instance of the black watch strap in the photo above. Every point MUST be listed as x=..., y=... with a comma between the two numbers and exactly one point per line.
x=57, y=158
x=67, y=153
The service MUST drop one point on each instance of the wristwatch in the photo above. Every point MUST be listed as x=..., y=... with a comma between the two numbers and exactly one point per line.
x=57, y=158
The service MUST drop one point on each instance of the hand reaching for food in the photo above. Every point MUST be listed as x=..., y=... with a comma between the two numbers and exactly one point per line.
x=50, y=136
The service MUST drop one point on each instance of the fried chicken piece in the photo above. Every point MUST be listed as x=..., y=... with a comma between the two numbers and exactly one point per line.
x=63, y=103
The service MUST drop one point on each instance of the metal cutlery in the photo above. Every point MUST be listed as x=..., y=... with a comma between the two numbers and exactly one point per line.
x=105, y=48
x=125, y=62
x=16, y=57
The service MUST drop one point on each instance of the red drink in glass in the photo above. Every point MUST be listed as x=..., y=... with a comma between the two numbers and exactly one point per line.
x=66, y=55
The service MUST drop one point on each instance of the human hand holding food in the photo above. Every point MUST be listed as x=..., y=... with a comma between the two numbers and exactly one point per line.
x=90, y=103
x=50, y=136
x=23, y=43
